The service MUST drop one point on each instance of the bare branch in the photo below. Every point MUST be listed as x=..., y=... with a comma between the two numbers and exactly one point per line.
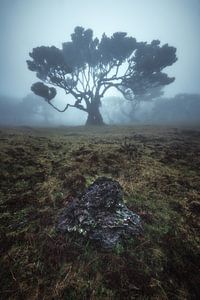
x=66, y=107
x=109, y=85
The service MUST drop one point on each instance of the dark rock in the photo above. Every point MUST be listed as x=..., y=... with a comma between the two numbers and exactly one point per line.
x=100, y=215
x=194, y=206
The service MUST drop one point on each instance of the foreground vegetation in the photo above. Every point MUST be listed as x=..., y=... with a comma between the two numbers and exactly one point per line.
x=43, y=169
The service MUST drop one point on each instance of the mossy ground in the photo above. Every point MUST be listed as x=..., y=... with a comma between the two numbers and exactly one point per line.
x=41, y=170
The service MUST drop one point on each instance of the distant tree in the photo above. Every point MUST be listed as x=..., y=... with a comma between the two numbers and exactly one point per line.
x=32, y=108
x=112, y=110
x=27, y=111
x=87, y=67
x=182, y=108
x=132, y=108
x=9, y=110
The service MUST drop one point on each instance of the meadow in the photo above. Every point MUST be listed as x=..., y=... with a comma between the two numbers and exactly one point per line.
x=42, y=169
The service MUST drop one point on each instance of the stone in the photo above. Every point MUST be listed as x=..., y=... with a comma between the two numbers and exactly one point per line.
x=194, y=207
x=100, y=215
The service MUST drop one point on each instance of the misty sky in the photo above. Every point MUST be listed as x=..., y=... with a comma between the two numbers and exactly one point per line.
x=25, y=24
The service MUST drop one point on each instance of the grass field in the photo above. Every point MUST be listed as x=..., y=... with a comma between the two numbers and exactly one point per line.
x=41, y=170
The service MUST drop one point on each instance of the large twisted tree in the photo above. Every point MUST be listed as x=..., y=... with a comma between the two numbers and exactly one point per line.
x=87, y=67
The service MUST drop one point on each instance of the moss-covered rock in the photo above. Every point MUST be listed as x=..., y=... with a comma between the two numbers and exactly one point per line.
x=100, y=214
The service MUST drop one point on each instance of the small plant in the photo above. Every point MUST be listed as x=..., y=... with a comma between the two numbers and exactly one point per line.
x=130, y=148
x=119, y=249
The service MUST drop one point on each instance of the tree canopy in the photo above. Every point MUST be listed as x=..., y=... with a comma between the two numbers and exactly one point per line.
x=87, y=67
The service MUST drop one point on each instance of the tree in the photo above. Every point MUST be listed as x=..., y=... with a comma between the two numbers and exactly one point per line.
x=34, y=111
x=27, y=111
x=131, y=110
x=87, y=67
x=182, y=108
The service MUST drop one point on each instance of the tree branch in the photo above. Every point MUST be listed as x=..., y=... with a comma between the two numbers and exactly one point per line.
x=66, y=107
x=115, y=85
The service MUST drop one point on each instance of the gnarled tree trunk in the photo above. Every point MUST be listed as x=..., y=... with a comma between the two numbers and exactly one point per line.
x=94, y=115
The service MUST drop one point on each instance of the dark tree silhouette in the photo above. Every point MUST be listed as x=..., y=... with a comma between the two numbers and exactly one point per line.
x=87, y=67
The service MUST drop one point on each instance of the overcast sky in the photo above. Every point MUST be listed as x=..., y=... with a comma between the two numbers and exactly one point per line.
x=25, y=24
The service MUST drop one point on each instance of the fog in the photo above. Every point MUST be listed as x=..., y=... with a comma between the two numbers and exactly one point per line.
x=25, y=24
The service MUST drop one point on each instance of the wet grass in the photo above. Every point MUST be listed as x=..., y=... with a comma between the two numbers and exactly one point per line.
x=43, y=169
